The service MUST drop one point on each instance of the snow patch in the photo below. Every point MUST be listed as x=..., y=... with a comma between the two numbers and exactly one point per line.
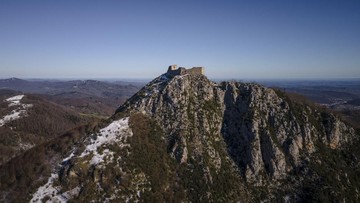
x=155, y=85
x=99, y=158
x=53, y=192
x=48, y=190
x=71, y=193
x=25, y=146
x=117, y=131
x=15, y=100
x=16, y=113
x=69, y=157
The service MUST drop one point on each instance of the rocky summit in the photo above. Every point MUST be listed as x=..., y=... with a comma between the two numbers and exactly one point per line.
x=184, y=138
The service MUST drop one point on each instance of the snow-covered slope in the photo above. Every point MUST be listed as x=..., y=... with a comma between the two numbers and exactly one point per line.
x=28, y=120
x=18, y=112
x=95, y=154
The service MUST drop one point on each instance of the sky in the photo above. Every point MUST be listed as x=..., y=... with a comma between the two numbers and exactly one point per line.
x=253, y=39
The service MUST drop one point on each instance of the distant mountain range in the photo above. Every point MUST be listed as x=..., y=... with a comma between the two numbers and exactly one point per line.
x=85, y=96
x=341, y=96
x=320, y=91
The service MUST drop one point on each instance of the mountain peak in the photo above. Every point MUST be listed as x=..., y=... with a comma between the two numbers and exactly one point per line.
x=184, y=138
x=265, y=134
x=13, y=79
x=180, y=82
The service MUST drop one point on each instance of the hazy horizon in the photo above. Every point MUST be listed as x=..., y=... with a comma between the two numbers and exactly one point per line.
x=244, y=40
x=145, y=80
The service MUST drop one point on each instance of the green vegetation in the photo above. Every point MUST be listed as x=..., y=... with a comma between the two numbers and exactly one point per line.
x=298, y=104
x=92, y=115
x=211, y=108
x=169, y=179
x=336, y=175
x=149, y=155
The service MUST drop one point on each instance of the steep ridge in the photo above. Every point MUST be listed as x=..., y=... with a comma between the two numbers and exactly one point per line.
x=269, y=137
x=266, y=134
x=185, y=138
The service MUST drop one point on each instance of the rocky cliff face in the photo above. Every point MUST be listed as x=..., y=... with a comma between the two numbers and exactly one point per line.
x=187, y=139
x=266, y=135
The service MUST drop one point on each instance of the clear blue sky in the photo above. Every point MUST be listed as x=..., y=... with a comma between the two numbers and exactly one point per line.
x=139, y=39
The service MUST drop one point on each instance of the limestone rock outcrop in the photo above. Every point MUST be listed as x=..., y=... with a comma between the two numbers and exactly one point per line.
x=266, y=135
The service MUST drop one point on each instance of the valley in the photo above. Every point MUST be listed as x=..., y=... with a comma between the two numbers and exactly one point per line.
x=90, y=97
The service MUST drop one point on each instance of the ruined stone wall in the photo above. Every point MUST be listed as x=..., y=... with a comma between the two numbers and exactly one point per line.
x=182, y=71
x=195, y=71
